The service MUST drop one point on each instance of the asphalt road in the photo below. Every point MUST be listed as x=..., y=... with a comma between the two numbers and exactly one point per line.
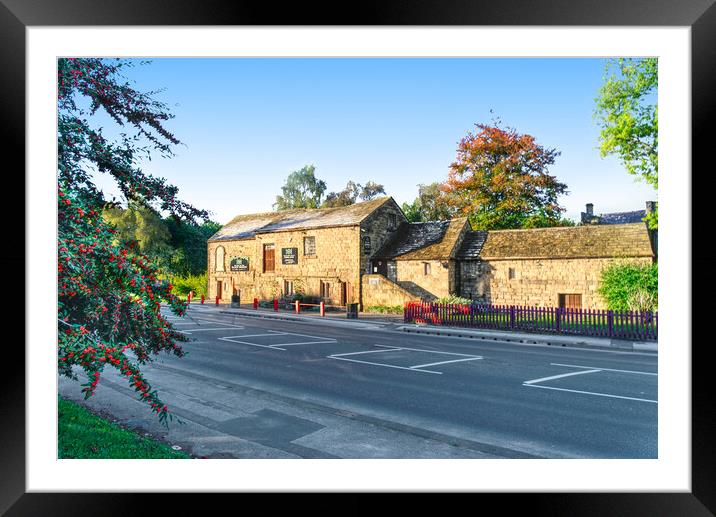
x=486, y=399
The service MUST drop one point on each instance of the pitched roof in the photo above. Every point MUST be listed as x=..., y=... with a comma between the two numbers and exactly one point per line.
x=622, y=217
x=472, y=245
x=590, y=241
x=434, y=240
x=248, y=225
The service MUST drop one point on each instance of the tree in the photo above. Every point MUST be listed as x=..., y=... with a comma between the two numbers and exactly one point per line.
x=353, y=192
x=189, y=244
x=431, y=205
x=500, y=180
x=628, y=116
x=301, y=190
x=109, y=292
x=371, y=190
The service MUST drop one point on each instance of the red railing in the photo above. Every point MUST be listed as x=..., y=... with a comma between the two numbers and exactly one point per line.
x=586, y=322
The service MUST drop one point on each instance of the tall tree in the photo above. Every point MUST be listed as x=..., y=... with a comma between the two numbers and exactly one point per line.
x=301, y=190
x=500, y=180
x=352, y=193
x=627, y=113
x=431, y=205
x=189, y=244
x=109, y=292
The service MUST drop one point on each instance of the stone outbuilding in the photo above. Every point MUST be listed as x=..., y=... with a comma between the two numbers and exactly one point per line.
x=368, y=253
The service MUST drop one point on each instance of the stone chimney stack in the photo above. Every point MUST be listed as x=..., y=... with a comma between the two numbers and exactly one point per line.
x=650, y=207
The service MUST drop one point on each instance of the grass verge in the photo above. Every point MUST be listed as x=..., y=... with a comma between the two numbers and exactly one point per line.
x=82, y=434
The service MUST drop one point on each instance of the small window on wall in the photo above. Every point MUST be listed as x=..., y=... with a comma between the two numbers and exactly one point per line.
x=392, y=222
x=287, y=288
x=219, y=259
x=426, y=268
x=325, y=289
x=309, y=245
x=511, y=273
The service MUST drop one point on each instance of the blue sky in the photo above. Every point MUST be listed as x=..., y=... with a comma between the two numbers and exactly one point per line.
x=247, y=123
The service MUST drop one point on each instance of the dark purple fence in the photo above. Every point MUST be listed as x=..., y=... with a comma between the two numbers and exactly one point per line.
x=596, y=323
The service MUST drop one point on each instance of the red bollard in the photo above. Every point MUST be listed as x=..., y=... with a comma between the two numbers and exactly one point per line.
x=217, y=300
x=256, y=303
x=323, y=308
x=202, y=299
x=275, y=304
x=298, y=306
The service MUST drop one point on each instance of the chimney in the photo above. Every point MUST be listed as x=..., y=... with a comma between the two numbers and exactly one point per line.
x=650, y=207
x=590, y=209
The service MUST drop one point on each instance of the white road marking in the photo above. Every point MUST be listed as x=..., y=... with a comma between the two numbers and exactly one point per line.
x=605, y=369
x=258, y=335
x=381, y=364
x=533, y=381
x=305, y=343
x=423, y=350
x=366, y=352
x=446, y=362
x=590, y=393
x=251, y=344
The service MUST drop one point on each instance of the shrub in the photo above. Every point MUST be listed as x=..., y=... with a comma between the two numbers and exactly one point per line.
x=196, y=283
x=626, y=287
x=454, y=300
x=385, y=309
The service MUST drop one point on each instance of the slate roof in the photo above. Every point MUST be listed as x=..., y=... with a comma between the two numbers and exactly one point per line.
x=472, y=245
x=248, y=225
x=433, y=240
x=622, y=217
x=589, y=241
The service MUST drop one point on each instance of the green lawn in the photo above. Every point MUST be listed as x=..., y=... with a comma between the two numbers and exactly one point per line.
x=82, y=434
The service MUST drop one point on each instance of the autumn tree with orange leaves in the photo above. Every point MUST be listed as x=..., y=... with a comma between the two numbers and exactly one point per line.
x=500, y=180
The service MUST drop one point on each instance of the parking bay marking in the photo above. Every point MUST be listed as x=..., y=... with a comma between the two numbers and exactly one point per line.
x=416, y=368
x=588, y=369
x=277, y=346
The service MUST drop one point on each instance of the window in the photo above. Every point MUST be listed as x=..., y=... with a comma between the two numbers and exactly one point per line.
x=219, y=259
x=366, y=244
x=426, y=268
x=392, y=222
x=325, y=289
x=287, y=288
x=511, y=273
x=570, y=301
x=309, y=245
x=269, y=261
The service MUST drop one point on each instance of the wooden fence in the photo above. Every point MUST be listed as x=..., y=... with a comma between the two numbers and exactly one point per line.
x=585, y=322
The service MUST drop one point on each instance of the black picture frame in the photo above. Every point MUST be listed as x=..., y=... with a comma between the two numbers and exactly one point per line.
x=699, y=15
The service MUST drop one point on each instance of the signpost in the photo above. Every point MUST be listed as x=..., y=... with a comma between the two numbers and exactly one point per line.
x=289, y=256
x=239, y=264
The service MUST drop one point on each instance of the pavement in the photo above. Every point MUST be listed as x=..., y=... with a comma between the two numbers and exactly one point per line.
x=256, y=384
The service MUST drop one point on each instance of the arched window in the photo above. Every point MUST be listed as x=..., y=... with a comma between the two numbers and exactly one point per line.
x=219, y=262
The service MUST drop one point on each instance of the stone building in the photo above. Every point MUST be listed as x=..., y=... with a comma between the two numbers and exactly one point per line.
x=368, y=253
x=548, y=267
x=319, y=252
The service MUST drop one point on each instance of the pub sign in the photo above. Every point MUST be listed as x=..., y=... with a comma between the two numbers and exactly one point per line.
x=239, y=264
x=289, y=256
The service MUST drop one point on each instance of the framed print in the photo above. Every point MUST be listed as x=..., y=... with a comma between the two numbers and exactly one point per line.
x=35, y=34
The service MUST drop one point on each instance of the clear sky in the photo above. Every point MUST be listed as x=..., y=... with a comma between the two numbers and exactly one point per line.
x=247, y=123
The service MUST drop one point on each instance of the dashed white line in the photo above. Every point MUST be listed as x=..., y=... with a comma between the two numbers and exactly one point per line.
x=590, y=393
x=533, y=381
x=605, y=369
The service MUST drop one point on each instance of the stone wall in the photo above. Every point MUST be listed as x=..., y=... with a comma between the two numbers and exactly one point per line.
x=474, y=284
x=437, y=283
x=377, y=227
x=378, y=290
x=337, y=260
x=540, y=282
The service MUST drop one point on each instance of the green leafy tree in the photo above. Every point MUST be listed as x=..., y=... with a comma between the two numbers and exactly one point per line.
x=188, y=241
x=628, y=117
x=501, y=180
x=109, y=292
x=626, y=286
x=431, y=205
x=301, y=190
x=351, y=194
